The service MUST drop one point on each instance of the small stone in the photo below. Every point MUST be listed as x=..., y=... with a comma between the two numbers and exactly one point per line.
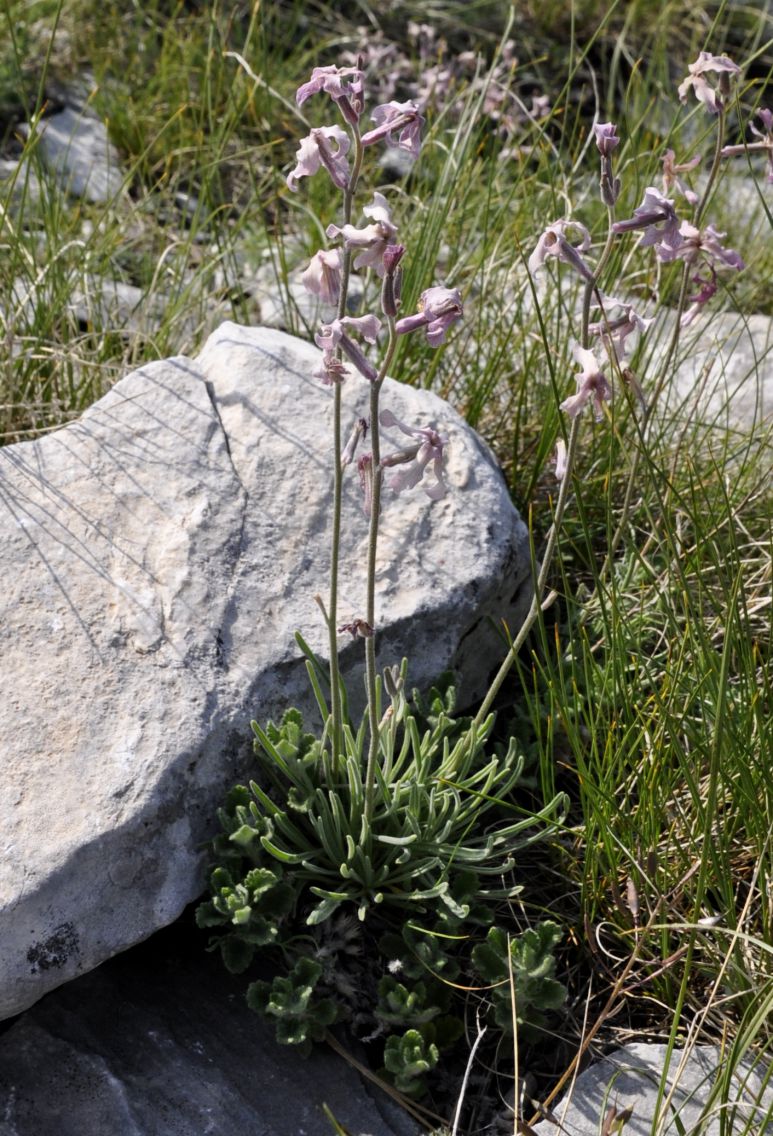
x=631, y=1078
x=76, y=148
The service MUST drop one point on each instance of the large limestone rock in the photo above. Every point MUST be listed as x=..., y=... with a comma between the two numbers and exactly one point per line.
x=724, y=376
x=157, y=557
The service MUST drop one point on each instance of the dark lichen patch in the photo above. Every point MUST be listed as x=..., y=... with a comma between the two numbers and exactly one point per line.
x=55, y=951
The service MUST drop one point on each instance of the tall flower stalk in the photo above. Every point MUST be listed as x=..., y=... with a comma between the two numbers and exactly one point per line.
x=715, y=99
x=376, y=248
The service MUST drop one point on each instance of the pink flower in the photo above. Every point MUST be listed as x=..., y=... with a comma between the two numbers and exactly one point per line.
x=606, y=137
x=553, y=243
x=707, y=286
x=591, y=385
x=671, y=177
x=439, y=308
x=331, y=336
x=706, y=63
x=323, y=276
x=344, y=84
x=402, y=119
x=429, y=449
x=657, y=217
x=373, y=239
x=705, y=244
x=616, y=331
x=315, y=150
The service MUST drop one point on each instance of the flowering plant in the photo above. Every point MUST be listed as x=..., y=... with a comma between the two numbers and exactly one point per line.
x=406, y=817
x=379, y=840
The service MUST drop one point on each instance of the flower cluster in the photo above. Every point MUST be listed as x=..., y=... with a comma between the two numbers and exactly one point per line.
x=398, y=124
x=371, y=246
x=656, y=220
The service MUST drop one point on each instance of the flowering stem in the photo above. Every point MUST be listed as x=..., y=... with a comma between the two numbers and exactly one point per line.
x=591, y=289
x=672, y=348
x=335, y=543
x=370, y=614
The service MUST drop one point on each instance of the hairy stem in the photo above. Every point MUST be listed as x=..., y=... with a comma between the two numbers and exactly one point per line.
x=335, y=539
x=370, y=607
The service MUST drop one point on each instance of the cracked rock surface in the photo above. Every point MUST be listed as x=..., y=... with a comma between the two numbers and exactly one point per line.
x=158, y=556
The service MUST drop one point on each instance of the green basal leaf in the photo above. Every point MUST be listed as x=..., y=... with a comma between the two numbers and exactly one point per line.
x=208, y=916
x=236, y=953
x=244, y=836
x=280, y=854
x=323, y=911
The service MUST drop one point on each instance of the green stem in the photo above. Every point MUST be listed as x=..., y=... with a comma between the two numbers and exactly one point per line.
x=370, y=612
x=335, y=541
x=591, y=289
x=672, y=349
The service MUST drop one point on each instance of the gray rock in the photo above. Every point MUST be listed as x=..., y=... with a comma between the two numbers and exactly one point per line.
x=724, y=375
x=700, y=1094
x=158, y=556
x=159, y=1042
x=75, y=146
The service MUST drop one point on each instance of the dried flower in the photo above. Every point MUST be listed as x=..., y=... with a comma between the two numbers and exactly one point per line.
x=401, y=119
x=331, y=371
x=606, y=141
x=671, y=171
x=393, y=279
x=553, y=243
x=429, y=449
x=439, y=308
x=711, y=97
x=373, y=239
x=359, y=430
x=315, y=150
x=358, y=628
x=323, y=276
x=657, y=217
x=591, y=384
x=365, y=472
